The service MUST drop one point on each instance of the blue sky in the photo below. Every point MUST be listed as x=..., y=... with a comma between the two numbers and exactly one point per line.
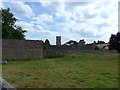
x=73, y=20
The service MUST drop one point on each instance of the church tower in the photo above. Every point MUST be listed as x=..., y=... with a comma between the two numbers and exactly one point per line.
x=58, y=40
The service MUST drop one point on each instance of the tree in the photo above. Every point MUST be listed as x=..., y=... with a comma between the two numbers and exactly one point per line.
x=9, y=29
x=94, y=42
x=47, y=42
x=100, y=42
x=71, y=42
x=115, y=42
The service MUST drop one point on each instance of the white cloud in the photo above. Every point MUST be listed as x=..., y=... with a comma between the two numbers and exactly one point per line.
x=1, y=4
x=43, y=18
x=37, y=32
x=21, y=8
x=87, y=19
x=91, y=21
x=58, y=10
x=45, y=3
x=25, y=25
x=63, y=14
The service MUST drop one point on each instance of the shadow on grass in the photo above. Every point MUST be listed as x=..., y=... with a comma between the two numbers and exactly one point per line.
x=57, y=55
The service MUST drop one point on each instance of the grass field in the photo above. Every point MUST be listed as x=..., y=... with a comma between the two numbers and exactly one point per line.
x=86, y=69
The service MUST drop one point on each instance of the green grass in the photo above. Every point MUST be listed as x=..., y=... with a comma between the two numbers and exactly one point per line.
x=86, y=69
x=57, y=55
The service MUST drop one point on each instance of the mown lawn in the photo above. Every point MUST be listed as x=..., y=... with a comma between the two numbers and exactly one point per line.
x=86, y=69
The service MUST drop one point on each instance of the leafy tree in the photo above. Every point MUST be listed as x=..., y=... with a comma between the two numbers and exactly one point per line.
x=94, y=42
x=100, y=42
x=9, y=29
x=47, y=42
x=115, y=42
x=71, y=42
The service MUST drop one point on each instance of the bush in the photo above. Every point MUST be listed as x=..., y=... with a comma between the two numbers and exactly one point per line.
x=115, y=42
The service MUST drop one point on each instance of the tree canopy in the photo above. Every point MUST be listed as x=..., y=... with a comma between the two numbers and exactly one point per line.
x=9, y=29
x=71, y=42
x=47, y=42
x=99, y=42
x=115, y=42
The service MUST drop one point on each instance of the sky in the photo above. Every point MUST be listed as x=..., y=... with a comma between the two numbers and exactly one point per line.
x=72, y=20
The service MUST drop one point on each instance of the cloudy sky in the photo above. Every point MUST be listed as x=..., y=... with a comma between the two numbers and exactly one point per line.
x=73, y=20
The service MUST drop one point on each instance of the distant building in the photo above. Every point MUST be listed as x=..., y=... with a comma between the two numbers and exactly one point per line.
x=81, y=42
x=103, y=46
x=58, y=40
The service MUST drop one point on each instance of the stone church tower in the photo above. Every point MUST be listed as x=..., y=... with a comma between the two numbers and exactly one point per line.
x=58, y=40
